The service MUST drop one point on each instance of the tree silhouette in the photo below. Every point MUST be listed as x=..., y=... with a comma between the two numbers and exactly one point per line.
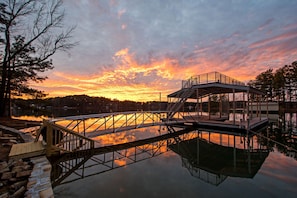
x=31, y=32
x=279, y=85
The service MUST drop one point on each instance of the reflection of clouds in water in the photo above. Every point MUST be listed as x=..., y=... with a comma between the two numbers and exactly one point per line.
x=139, y=153
x=112, y=139
x=120, y=162
x=280, y=170
x=129, y=136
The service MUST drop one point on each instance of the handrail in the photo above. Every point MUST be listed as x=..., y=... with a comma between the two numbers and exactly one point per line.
x=61, y=139
x=112, y=122
x=212, y=77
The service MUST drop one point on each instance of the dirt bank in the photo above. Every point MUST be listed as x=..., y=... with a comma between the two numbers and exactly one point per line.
x=17, y=123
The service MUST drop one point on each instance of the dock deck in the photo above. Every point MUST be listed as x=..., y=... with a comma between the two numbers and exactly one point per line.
x=222, y=125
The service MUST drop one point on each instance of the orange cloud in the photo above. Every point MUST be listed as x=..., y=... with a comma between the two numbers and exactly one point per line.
x=128, y=81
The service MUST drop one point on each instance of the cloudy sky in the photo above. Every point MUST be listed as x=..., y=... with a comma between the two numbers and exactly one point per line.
x=135, y=49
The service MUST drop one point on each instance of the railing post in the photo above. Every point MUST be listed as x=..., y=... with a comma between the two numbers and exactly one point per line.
x=84, y=124
x=142, y=117
x=49, y=137
x=92, y=144
x=113, y=123
x=153, y=118
x=105, y=123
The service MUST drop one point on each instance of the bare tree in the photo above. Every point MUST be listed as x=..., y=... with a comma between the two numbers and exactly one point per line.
x=31, y=31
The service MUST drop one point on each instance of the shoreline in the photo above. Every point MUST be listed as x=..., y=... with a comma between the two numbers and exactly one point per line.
x=28, y=177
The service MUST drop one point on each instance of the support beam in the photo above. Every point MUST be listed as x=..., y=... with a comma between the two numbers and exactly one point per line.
x=252, y=108
x=201, y=110
x=208, y=109
x=244, y=106
x=233, y=102
x=261, y=108
x=197, y=110
x=248, y=105
x=220, y=105
x=234, y=152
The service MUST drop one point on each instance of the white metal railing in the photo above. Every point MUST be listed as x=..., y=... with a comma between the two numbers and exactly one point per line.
x=59, y=138
x=100, y=124
x=211, y=77
x=74, y=133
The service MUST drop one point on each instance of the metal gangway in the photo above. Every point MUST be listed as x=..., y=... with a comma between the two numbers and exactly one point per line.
x=74, y=133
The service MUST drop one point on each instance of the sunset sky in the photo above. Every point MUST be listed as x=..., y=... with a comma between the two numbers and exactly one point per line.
x=133, y=49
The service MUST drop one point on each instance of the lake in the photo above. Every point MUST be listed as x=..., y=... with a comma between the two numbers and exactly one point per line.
x=196, y=163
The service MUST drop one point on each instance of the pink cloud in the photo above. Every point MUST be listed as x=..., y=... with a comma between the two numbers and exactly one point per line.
x=281, y=37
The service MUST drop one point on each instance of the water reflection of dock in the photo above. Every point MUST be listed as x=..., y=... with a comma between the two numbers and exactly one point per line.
x=68, y=167
x=213, y=163
x=211, y=157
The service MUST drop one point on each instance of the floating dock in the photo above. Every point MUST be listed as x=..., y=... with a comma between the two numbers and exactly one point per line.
x=223, y=126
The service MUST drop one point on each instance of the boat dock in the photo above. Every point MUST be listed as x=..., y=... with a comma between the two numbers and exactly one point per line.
x=218, y=102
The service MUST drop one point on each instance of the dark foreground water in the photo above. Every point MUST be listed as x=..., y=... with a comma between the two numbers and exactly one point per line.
x=164, y=176
x=196, y=164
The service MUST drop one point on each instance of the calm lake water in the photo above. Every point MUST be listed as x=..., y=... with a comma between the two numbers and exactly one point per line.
x=194, y=164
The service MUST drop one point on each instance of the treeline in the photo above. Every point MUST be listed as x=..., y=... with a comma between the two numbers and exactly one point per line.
x=80, y=104
x=279, y=85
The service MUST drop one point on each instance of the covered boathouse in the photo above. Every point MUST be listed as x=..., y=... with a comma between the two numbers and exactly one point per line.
x=216, y=101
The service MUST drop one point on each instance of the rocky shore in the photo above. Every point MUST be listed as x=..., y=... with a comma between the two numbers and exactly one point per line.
x=22, y=177
x=14, y=175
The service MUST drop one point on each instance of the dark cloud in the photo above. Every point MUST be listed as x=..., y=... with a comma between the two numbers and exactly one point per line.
x=167, y=27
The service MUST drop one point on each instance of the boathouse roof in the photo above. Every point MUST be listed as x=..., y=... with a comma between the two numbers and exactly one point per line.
x=213, y=83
